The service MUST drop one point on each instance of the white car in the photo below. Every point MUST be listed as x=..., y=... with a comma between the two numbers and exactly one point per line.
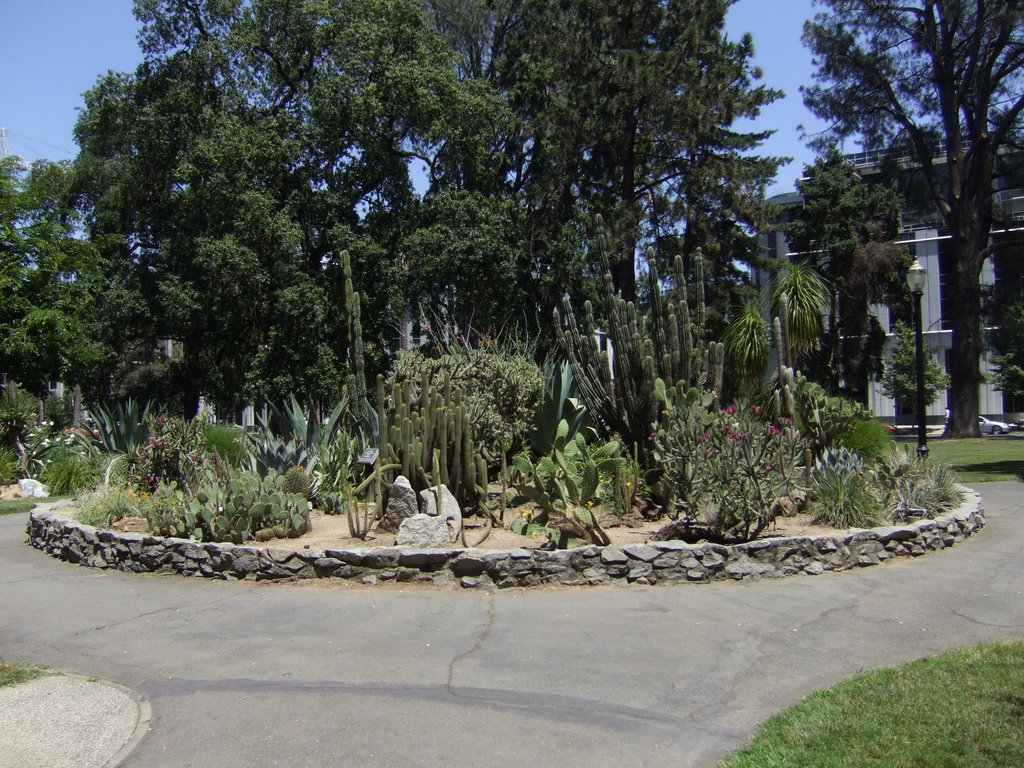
x=989, y=427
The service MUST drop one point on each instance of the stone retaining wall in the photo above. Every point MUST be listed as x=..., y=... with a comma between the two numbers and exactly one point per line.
x=650, y=563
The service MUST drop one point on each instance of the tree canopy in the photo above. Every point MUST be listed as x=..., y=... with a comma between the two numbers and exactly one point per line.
x=899, y=375
x=49, y=279
x=846, y=228
x=940, y=82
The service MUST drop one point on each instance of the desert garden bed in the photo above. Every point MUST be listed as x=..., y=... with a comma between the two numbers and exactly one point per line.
x=53, y=530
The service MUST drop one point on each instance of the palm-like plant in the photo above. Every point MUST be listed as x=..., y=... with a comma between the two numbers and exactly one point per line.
x=747, y=343
x=802, y=295
x=17, y=410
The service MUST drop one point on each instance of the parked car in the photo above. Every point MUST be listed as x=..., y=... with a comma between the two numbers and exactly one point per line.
x=989, y=427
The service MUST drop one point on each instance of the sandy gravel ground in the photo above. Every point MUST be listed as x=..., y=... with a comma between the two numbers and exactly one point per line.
x=64, y=721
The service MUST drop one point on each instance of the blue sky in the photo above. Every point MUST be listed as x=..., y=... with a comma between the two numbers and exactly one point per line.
x=52, y=51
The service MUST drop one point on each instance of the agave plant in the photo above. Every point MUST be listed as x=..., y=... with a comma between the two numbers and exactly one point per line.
x=122, y=431
x=290, y=437
x=559, y=401
x=122, y=428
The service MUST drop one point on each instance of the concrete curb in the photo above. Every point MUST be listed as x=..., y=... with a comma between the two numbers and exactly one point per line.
x=647, y=563
x=142, y=726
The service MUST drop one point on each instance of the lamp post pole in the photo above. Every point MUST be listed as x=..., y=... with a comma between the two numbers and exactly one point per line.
x=916, y=277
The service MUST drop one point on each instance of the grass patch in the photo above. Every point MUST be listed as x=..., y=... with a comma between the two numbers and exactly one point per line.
x=983, y=459
x=11, y=674
x=963, y=709
x=13, y=506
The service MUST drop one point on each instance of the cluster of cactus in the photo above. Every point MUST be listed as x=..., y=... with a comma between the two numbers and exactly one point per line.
x=565, y=485
x=669, y=343
x=686, y=413
x=822, y=418
x=626, y=481
x=244, y=506
x=424, y=423
x=166, y=512
x=361, y=515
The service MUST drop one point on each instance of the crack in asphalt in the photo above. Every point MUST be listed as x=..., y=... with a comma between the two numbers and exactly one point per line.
x=477, y=645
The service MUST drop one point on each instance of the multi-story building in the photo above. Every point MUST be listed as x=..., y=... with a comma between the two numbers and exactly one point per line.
x=923, y=235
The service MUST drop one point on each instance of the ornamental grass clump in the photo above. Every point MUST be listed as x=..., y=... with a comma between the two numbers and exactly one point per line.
x=844, y=492
x=916, y=487
x=725, y=472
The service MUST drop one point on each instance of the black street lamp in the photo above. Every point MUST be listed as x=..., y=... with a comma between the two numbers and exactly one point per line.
x=916, y=279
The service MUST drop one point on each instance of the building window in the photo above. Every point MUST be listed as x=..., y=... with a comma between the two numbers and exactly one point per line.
x=947, y=279
x=1013, y=404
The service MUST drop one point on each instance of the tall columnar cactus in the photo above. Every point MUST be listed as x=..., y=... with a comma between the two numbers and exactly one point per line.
x=354, y=330
x=427, y=434
x=785, y=382
x=668, y=344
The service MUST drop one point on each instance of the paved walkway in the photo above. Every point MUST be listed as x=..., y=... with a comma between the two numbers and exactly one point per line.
x=245, y=674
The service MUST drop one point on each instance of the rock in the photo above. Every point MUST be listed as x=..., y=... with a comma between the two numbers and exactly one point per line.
x=449, y=509
x=32, y=489
x=401, y=505
x=424, y=531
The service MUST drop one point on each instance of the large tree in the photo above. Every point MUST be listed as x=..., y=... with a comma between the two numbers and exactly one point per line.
x=49, y=280
x=847, y=228
x=627, y=110
x=942, y=81
x=257, y=141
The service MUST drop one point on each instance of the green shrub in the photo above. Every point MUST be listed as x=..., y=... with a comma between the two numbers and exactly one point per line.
x=724, y=471
x=106, y=505
x=69, y=474
x=869, y=438
x=500, y=390
x=917, y=488
x=843, y=493
x=56, y=413
x=224, y=441
x=8, y=465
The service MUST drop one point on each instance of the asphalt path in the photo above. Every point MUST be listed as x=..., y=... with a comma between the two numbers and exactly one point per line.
x=246, y=674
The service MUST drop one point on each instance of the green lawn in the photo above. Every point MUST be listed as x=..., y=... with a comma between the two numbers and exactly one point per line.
x=963, y=709
x=13, y=506
x=982, y=459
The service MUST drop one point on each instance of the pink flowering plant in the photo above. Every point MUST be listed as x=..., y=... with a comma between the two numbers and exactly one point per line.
x=173, y=452
x=725, y=471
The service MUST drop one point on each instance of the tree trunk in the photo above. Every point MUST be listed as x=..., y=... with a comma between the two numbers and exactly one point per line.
x=76, y=406
x=965, y=356
x=190, y=400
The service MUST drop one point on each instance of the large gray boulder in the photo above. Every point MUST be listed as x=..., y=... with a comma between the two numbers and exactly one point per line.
x=402, y=504
x=448, y=509
x=32, y=489
x=424, y=531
